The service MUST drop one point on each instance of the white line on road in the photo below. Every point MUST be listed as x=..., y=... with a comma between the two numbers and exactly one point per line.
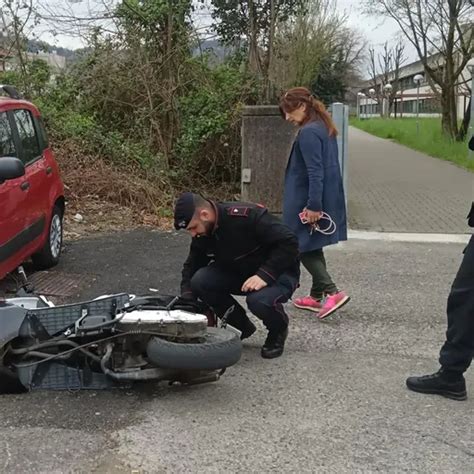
x=410, y=237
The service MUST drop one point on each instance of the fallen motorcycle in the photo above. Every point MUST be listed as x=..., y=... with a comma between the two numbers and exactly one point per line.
x=111, y=341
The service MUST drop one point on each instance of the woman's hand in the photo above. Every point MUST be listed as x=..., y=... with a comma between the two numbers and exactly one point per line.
x=312, y=216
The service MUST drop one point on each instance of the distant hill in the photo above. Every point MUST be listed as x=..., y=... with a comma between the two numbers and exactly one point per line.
x=214, y=46
x=35, y=46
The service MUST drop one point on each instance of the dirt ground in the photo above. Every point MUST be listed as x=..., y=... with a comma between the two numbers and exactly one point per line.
x=99, y=217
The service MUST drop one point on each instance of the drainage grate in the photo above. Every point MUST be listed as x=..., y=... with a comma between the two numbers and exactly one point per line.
x=57, y=283
x=8, y=286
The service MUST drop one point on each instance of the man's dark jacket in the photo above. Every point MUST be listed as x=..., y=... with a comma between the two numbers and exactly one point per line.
x=246, y=240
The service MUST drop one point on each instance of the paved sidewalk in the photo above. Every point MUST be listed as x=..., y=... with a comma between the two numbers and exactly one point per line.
x=392, y=188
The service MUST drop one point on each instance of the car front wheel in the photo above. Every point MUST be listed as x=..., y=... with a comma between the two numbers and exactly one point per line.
x=49, y=255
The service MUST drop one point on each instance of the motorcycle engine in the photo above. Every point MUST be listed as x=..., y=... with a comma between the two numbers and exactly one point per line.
x=173, y=323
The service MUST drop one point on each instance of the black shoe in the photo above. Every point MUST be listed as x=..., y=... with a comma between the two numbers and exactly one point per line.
x=248, y=330
x=245, y=326
x=448, y=385
x=274, y=344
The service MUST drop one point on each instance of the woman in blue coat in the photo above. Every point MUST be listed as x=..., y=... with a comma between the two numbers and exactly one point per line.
x=313, y=186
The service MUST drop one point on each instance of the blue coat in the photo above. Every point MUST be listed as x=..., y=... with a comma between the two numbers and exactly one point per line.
x=313, y=180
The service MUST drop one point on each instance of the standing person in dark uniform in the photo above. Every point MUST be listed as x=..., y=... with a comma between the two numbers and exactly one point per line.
x=458, y=350
x=240, y=249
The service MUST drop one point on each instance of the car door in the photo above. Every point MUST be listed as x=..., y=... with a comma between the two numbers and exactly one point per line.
x=12, y=205
x=35, y=183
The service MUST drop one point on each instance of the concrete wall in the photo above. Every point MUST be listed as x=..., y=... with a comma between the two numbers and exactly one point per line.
x=266, y=145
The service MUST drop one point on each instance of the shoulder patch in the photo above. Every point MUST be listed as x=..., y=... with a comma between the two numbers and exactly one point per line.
x=238, y=211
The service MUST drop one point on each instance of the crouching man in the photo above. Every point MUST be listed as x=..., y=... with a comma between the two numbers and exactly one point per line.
x=240, y=249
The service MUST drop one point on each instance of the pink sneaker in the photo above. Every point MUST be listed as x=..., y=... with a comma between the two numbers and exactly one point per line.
x=332, y=303
x=308, y=302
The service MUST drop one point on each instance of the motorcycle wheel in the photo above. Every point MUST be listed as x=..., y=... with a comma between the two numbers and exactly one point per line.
x=220, y=349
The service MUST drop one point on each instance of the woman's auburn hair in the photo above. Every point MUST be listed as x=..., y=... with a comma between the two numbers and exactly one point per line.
x=315, y=109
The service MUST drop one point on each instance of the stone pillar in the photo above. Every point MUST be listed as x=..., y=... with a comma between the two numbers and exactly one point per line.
x=266, y=146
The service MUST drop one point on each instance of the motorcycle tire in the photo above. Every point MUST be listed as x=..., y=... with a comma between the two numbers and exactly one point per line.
x=220, y=349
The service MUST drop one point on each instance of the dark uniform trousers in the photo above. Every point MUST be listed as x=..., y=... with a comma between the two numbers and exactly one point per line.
x=458, y=350
x=215, y=287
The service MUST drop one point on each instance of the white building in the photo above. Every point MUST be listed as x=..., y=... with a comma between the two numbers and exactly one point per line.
x=9, y=62
x=406, y=97
x=54, y=60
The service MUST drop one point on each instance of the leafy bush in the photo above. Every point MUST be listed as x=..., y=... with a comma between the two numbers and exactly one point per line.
x=117, y=104
x=209, y=138
x=94, y=139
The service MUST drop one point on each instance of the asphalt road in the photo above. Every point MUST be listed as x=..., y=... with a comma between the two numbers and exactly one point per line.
x=335, y=402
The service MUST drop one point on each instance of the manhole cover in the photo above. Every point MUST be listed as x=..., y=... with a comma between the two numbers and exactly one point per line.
x=58, y=284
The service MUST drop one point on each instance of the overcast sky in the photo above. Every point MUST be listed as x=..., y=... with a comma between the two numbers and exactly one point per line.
x=377, y=30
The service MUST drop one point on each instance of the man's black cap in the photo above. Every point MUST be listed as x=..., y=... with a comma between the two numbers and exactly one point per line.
x=184, y=210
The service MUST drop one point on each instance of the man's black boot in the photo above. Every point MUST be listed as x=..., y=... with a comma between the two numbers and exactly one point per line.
x=448, y=384
x=274, y=344
x=245, y=326
x=247, y=330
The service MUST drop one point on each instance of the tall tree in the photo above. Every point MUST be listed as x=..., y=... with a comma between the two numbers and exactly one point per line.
x=442, y=33
x=17, y=16
x=329, y=84
x=317, y=50
x=159, y=31
x=256, y=22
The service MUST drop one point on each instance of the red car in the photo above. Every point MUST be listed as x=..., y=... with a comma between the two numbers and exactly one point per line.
x=31, y=191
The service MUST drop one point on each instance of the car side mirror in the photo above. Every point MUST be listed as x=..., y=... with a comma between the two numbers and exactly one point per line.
x=10, y=168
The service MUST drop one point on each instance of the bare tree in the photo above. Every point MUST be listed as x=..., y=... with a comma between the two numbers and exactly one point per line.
x=303, y=43
x=384, y=68
x=78, y=19
x=255, y=21
x=441, y=32
x=19, y=18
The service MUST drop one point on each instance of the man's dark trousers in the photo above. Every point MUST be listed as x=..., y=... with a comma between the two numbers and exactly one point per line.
x=215, y=286
x=458, y=350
